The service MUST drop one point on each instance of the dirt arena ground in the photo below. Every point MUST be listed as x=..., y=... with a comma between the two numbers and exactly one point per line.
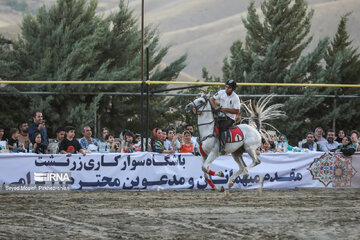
x=285, y=214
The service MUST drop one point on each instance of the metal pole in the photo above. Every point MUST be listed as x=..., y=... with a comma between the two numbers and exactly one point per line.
x=147, y=102
x=142, y=77
x=95, y=127
x=334, y=119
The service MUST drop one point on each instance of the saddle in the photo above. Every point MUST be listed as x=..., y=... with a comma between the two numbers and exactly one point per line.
x=233, y=134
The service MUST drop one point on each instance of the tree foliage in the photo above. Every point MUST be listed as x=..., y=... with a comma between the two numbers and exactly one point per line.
x=70, y=42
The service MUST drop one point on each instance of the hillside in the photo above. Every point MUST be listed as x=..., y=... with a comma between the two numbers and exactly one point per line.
x=205, y=29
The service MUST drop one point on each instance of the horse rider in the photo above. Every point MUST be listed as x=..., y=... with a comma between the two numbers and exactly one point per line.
x=229, y=108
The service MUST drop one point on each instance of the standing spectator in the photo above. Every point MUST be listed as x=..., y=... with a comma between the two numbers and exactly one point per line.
x=310, y=143
x=69, y=144
x=329, y=144
x=13, y=143
x=355, y=139
x=38, y=126
x=347, y=148
x=39, y=148
x=53, y=146
x=318, y=134
x=87, y=140
x=340, y=136
x=24, y=135
x=172, y=141
x=186, y=145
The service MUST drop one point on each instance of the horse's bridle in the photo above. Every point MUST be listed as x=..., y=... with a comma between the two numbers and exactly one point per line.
x=198, y=112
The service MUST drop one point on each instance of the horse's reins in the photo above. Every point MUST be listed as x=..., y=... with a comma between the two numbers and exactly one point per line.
x=198, y=112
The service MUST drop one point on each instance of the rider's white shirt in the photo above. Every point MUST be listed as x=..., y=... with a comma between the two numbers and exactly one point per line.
x=232, y=102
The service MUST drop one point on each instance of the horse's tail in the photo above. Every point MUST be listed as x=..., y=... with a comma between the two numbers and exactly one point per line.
x=259, y=113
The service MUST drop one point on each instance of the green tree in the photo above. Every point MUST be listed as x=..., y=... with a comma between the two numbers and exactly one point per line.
x=342, y=67
x=69, y=42
x=273, y=52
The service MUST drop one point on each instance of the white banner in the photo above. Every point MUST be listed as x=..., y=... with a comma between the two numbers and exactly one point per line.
x=159, y=171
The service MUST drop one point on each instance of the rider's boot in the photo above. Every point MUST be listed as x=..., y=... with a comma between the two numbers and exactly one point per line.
x=222, y=142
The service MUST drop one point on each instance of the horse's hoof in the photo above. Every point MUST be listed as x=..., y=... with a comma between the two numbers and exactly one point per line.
x=222, y=189
x=230, y=184
x=221, y=174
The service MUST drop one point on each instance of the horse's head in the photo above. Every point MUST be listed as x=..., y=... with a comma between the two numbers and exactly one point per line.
x=195, y=105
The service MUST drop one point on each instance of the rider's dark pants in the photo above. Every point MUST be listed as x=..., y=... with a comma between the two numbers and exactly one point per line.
x=224, y=124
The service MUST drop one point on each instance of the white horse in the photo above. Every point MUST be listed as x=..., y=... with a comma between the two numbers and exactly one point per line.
x=250, y=142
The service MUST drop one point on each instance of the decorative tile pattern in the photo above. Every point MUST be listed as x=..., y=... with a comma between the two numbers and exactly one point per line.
x=343, y=171
x=322, y=168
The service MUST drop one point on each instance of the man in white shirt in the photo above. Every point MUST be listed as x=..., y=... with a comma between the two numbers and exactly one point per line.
x=229, y=108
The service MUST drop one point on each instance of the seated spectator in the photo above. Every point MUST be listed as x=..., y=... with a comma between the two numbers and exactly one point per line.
x=189, y=127
x=69, y=145
x=318, y=135
x=157, y=143
x=282, y=145
x=347, y=148
x=187, y=145
x=39, y=148
x=13, y=143
x=266, y=147
x=355, y=139
x=172, y=141
x=340, y=136
x=114, y=146
x=310, y=143
x=104, y=131
x=24, y=135
x=87, y=140
x=138, y=142
x=329, y=144
x=53, y=147
x=130, y=143
x=2, y=133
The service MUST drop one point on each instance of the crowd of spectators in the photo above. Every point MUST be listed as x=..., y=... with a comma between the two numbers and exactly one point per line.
x=315, y=141
x=34, y=138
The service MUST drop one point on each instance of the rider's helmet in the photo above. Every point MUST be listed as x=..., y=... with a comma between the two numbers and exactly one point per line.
x=231, y=83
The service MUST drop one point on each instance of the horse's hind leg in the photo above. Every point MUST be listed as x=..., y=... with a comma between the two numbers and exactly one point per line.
x=238, y=159
x=254, y=157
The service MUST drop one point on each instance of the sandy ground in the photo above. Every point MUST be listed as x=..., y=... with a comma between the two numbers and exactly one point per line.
x=285, y=214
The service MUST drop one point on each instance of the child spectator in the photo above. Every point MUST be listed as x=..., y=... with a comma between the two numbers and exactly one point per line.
x=69, y=144
x=114, y=146
x=39, y=147
x=13, y=143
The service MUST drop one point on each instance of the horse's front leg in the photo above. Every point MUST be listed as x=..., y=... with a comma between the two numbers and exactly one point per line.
x=205, y=168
